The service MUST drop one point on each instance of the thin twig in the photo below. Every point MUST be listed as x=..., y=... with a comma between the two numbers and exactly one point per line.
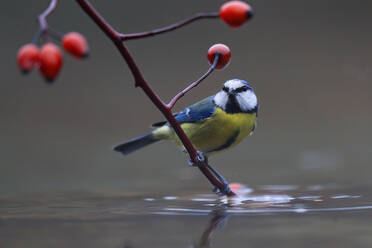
x=44, y=30
x=42, y=17
x=196, y=83
x=170, y=27
x=142, y=83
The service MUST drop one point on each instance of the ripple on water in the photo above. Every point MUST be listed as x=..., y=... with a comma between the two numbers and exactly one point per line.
x=263, y=200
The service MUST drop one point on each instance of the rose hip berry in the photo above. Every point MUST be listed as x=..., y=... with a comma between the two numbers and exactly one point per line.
x=27, y=58
x=235, y=13
x=50, y=61
x=224, y=52
x=75, y=44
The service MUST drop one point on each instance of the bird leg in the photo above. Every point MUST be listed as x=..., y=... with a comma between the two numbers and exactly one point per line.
x=226, y=190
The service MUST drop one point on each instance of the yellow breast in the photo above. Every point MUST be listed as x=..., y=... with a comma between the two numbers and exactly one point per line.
x=219, y=132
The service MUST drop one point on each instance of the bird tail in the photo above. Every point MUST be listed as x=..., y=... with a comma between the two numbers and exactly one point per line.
x=135, y=144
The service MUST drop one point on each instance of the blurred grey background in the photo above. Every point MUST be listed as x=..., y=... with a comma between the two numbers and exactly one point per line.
x=309, y=62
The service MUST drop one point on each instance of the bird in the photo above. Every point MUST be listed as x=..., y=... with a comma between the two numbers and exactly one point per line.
x=214, y=124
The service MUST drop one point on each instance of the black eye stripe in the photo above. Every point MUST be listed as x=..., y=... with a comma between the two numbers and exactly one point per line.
x=241, y=89
x=238, y=90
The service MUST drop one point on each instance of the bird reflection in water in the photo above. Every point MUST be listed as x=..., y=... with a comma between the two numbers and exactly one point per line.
x=218, y=221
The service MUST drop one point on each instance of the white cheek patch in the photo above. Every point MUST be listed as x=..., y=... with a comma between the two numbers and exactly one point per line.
x=234, y=84
x=220, y=99
x=247, y=100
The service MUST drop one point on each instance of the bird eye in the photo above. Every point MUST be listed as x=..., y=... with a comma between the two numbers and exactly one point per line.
x=225, y=89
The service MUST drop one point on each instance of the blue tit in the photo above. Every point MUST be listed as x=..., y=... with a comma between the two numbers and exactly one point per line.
x=214, y=124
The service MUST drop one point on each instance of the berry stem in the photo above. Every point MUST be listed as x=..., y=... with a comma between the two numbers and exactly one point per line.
x=171, y=27
x=42, y=17
x=196, y=83
x=142, y=83
x=37, y=36
x=44, y=30
x=54, y=34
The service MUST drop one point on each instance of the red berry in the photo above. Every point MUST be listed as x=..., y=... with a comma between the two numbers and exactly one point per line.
x=224, y=52
x=75, y=44
x=235, y=13
x=28, y=56
x=50, y=61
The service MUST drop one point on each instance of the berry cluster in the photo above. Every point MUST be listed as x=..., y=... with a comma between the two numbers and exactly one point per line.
x=49, y=57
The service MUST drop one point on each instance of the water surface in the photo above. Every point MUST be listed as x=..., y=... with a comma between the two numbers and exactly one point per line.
x=269, y=216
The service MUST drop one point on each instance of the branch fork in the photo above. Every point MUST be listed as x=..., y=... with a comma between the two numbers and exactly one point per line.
x=118, y=39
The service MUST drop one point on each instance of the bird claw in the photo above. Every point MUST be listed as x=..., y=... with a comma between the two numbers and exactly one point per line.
x=200, y=158
x=226, y=188
x=191, y=163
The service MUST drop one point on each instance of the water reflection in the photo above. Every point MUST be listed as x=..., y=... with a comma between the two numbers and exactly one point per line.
x=217, y=221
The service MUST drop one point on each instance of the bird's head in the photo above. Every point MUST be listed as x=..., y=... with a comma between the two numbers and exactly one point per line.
x=236, y=96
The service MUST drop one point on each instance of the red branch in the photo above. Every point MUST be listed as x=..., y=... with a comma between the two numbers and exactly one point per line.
x=116, y=38
x=168, y=28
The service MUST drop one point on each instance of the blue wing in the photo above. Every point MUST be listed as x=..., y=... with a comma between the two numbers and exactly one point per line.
x=194, y=113
x=197, y=112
